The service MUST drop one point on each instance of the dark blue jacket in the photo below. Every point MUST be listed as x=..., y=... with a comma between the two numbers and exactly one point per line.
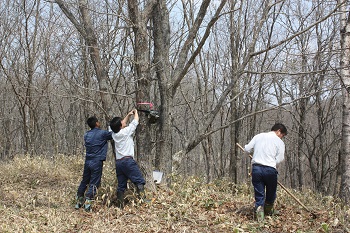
x=96, y=143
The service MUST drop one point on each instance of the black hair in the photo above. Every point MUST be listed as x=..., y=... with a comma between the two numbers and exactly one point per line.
x=91, y=121
x=281, y=127
x=116, y=124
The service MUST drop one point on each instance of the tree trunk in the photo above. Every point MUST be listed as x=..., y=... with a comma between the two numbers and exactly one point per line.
x=94, y=49
x=300, y=140
x=345, y=76
x=143, y=83
x=161, y=34
x=301, y=132
x=87, y=31
x=234, y=45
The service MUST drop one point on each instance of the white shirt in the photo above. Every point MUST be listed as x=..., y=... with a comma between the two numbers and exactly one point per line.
x=123, y=140
x=268, y=149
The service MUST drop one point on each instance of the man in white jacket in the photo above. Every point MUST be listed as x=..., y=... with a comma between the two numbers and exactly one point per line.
x=126, y=167
x=268, y=150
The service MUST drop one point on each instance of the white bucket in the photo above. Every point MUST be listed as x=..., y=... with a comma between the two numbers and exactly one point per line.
x=157, y=177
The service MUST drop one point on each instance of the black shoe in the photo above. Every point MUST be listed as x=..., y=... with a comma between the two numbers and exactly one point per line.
x=269, y=210
x=120, y=199
x=141, y=194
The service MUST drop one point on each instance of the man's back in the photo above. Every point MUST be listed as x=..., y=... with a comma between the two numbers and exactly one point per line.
x=268, y=149
x=96, y=143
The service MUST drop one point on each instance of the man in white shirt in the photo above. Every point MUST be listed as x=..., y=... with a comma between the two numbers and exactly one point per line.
x=126, y=167
x=268, y=150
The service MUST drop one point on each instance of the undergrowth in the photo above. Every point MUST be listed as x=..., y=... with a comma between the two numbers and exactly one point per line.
x=37, y=195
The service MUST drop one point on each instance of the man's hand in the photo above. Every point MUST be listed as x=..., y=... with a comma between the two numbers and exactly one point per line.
x=136, y=114
x=132, y=112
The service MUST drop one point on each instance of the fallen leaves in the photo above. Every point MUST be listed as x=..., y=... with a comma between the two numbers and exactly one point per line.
x=38, y=195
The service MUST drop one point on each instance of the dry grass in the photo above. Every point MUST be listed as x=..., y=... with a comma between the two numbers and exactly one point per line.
x=37, y=195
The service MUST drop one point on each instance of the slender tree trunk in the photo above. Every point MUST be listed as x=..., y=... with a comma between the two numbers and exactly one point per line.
x=95, y=55
x=234, y=44
x=301, y=133
x=87, y=31
x=345, y=76
x=300, y=140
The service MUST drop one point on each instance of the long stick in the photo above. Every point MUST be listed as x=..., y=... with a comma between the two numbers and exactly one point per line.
x=285, y=189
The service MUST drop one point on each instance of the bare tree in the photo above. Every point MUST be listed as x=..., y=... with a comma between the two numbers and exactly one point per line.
x=87, y=31
x=216, y=73
x=345, y=78
x=169, y=80
x=22, y=70
x=140, y=16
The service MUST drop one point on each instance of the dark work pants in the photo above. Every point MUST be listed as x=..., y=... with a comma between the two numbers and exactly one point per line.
x=91, y=178
x=127, y=168
x=264, y=179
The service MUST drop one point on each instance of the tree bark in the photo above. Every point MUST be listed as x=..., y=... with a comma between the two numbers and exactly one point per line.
x=142, y=66
x=345, y=77
x=161, y=35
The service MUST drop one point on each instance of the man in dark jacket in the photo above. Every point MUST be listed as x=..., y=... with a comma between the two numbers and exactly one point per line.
x=96, y=144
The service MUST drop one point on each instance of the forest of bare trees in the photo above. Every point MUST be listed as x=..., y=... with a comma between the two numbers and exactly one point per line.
x=218, y=72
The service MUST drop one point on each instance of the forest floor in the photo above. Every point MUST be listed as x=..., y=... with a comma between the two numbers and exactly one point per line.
x=37, y=195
